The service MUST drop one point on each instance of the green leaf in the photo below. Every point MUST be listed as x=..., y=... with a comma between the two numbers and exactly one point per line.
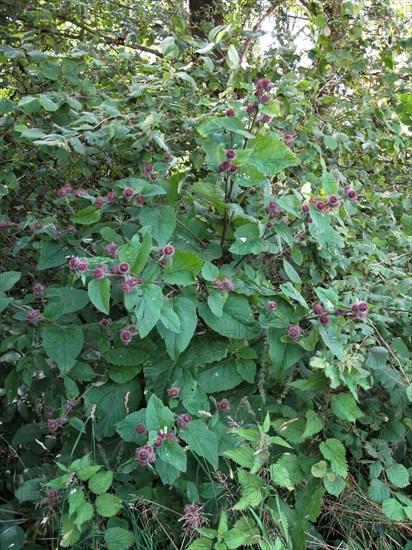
x=100, y=482
x=329, y=182
x=182, y=268
x=49, y=70
x=291, y=272
x=185, y=311
x=161, y=220
x=319, y=469
x=149, y=308
x=279, y=475
x=158, y=416
x=332, y=337
x=63, y=345
x=232, y=58
x=243, y=456
x=334, y=484
x=398, y=475
x=8, y=280
x=127, y=357
x=344, y=406
x=110, y=404
x=322, y=232
x=29, y=491
x=201, y=440
x=378, y=491
x=393, y=509
x=12, y=538
x=84, y=513
x=51, y=255
x=99, y=293
x=108, y=505
x=172, y=453
x=220, y=377
x=87, y=216
x=117, y=538
x=69, y=532
x=290, y=291
x=209, y=271
x=143, y=254
x=201, y=544
x=283, y=356
x=270, y=155
x=63, y=300
x=334, y=451
x=237, y=320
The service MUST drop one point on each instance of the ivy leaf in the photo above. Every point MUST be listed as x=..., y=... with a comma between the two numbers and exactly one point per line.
x=63, y=345
x=334, y=451
x=99, y=293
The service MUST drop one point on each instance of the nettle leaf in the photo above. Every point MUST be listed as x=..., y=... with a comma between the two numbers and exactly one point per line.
x=279, y=475
x=148, y=308
x=201, y=440
x=100, y=482
x=108, y=505
x=99, y=293
x=158, y=416
x=161, y=220
x=117, y=538
x=345, y=407
x=270, y=155
x=63, y=345
x=237, y=321
x=185, y=313
x=69, y=531
x=334, y=451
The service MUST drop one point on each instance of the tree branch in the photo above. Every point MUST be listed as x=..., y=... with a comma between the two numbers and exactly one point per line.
x=249, y=41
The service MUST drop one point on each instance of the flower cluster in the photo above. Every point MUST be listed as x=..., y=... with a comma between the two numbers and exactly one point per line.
x=145, y=455
x=351, y=194
x=183, y=420
x=226, y=284
x=111, y=250
x=129, y=194
x=161, y=436
x=321, y=312
x=223, y=405
x=360, y=310
x=38, y=289
x=126, y=334
x=149, y=172
x=226, y=165
x=294, y=332
x=33, y=316
x=271, y=306
x=173, y=392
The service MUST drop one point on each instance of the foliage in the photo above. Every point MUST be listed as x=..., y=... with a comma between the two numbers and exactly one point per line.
x=204, y=291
